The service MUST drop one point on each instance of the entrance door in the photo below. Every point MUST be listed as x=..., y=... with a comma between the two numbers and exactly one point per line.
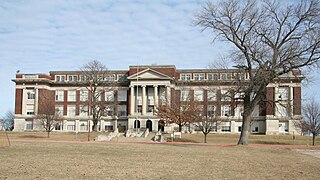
x=161, y=125
x=149, y=125
x=136, y=124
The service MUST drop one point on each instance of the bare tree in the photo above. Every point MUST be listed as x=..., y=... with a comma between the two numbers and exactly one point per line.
x=269, y=39
x=180, y=112
x=96, y=78
x=8, y=120
x=311, y=120
x=207, y=123
x=48, y=116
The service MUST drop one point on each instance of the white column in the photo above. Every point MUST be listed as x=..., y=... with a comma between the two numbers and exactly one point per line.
x=144, y=100
x=77, y=126
x=36, y=102
x=291, y=100
x=24, y=104
x=155, y=98
x=102, y=127
x=168, y=95
x=116, y=124
x=132, y=100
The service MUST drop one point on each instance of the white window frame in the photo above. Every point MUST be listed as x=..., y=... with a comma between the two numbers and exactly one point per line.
x=225, y=109
x=198, y=95
x=109, y=96
x=198, y=76
x=212, y=95
x=71, y=111
x=60, y=78
x=59, y=110
x=72, y=95
x=122, y=95
x=59, y=95
x=184, y=94
x=84, y=95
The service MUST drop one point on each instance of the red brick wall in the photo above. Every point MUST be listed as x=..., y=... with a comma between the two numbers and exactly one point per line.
x=270, y=101
x=18, y=103
x=297, y=101
x=45, y=98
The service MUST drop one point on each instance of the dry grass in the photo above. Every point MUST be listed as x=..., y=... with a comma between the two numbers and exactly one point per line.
x=111, y=160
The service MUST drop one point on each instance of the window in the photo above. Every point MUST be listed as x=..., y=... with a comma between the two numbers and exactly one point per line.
x=238, y=111
x=122, y=77
x=282, y=94
x=212, y=95
x=71, y=95
x=72, y=78
x=110, y=96
x=185, y=77
x=198, y=77
x=110, y=78
x=59, y=95
x=122, y=110
x=281, y=109
x=29, y=125
x=71, y=111
x=225, y=111
x=84, y=110
x=255, y=129
x=239, y=76
x=83, y=95
x=59, y=110
x=109, y=111
x=31, y=94
x=239, y=128
x=238, y=96
x=60, y=78
x=184, y=95
x=225, y=129
x=211, y=110
x=150, y=109
x=108, y=127
x=213, y=76
x=30, y=109
x=198, y=95
x=122, y=95
x=83, y=126
x=225, y=96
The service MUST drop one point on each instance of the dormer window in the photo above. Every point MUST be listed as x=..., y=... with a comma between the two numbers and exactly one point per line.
x=185, y=77
x=198, y=77
x=60, y=78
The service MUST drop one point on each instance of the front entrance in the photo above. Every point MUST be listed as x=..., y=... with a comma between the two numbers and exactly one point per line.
x=149, y=125
x=136, y=124
x=161, y=125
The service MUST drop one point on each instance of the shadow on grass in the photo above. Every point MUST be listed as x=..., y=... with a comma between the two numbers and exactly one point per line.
x=32, y=136
x=269, y=142
x=181, y=140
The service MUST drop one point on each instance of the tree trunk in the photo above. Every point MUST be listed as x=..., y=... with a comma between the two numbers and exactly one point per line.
x=180, y=127
x=95, y=125
x=245, y=131
x=48, y=134
x=313, y=139
x=205, y=137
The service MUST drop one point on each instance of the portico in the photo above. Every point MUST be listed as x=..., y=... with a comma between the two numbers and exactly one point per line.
x=148, y=89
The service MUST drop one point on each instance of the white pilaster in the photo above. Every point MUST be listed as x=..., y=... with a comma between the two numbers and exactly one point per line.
x=144, y=100
x=291, y=100
x=168, y=95
x=155, y=97
x=132, y=100
x=24, y=99
x=36, y=101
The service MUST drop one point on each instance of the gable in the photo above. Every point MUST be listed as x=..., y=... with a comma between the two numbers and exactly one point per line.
x=149, y=74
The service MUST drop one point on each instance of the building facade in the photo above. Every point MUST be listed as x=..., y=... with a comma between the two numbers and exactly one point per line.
x=136, y=93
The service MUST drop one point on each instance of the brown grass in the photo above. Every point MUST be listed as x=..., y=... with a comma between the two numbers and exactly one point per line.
x=36, y=159
x=111, y=160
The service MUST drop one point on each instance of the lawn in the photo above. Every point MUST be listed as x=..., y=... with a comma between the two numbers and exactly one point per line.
x=34, y=159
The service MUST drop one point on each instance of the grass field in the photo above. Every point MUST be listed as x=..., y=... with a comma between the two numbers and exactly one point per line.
x=198, y=138
x=34, y=159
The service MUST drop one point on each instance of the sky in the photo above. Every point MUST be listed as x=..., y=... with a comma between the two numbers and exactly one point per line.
x=57, y=35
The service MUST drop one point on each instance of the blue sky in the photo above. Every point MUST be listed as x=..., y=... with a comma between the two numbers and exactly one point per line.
x=40, y=36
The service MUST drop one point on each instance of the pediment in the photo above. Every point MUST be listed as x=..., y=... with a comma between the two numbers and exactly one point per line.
x=149, y=74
